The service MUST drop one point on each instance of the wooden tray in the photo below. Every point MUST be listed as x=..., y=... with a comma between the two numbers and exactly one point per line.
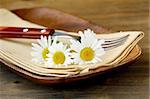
x=47, y=17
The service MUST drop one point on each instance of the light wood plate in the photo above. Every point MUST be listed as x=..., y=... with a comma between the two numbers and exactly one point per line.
x=47, y=17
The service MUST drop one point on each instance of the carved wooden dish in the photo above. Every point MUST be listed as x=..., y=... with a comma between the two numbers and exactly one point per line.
x=67, y=22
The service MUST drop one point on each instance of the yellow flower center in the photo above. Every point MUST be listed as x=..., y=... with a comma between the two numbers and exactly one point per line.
x=44, y=53
x=59, y=57
x=87, y=54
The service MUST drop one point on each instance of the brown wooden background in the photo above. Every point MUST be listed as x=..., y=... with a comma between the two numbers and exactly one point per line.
x=128, y=83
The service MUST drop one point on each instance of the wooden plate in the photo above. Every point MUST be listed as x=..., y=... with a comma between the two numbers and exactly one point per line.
x=47, y=17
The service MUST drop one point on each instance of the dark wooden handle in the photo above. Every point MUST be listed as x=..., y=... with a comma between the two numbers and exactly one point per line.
x=24, y=32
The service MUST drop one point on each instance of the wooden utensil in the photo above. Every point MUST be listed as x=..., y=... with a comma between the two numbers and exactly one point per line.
x=24, y=32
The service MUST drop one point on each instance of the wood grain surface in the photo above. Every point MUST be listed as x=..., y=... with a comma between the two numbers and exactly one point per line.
x=128, y=83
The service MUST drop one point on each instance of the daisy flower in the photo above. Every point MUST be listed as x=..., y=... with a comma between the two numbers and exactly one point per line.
x=88, y=50
x=41, y=50
x=59, y=56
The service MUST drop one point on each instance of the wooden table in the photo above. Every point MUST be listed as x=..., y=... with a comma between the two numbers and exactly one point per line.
x=128, y=83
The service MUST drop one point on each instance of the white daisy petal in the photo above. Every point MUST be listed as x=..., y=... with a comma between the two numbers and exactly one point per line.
x=81, y=34
x=45, y=41
x=76, y=45
x=98, y=45
x=94, y=43
x=41, y=43
x=49, y=40
x=55, y=40
x=51, y=49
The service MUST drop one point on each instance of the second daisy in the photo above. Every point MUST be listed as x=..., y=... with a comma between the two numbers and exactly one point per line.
x=59, y=56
